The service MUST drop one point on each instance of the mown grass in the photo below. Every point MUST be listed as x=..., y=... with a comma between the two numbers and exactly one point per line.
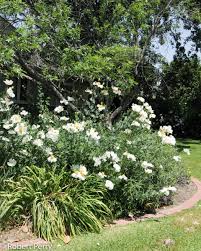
x=184, y=229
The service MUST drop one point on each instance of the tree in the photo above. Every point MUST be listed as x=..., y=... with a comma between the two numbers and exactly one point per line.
x=177, y=98
x=57, y=42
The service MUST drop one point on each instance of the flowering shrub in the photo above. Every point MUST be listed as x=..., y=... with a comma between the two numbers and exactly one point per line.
x=137, y=166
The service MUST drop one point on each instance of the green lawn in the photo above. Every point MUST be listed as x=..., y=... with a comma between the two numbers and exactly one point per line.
x=192, y=162
x=184, y=228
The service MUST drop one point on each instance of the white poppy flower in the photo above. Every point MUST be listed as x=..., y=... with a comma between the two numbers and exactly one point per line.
x=8, y=82
x=59, y=109
x=177, y=158
x=52, y=159
x=116, y=90
x=24, y=113
x=11, y=162
x=101, y=107
x=123, y=177
x=16, y=118
x=10, y=92
x=147, y=170
x=98, y=84
x=92, y=133
x=38, y=142
x=102, y=175
x=53, y=134
x=21, y=129
x=169, y=140
x=109, y=184
x=141, y=99
x=117, y=167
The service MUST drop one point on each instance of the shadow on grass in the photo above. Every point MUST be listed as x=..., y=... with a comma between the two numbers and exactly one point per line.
x=186, y=143
x=189, y=141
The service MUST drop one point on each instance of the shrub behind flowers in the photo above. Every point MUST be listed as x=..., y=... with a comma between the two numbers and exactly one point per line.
x=132, y=166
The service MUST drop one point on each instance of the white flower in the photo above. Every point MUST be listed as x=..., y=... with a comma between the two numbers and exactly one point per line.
x=11, y=162
x=5, y=139
x=48, y=150
x=147, y=170
x=59, y=109
x=177, y=158
x=148, y=108
x=64, y=101
x=165, y=130
x=11, y=132
x=38, y=142
x=129, y=156
x=10, y=92
x=41, y=134
x=187, y=151
x=21, y=129
x=25, y=152
x=26, y=139
x=152, y=116
x=64, y=118
x=166, y=190
x=136, y=108
x=128, y=131
x=161, y=167
x=135, y=123
x=173, y=189
x=7, y=125
x=97, y=161
x=34, y=127
x=109, y=184
x=146, y=165
x=24, y=113
x=117, y=167
x=105, y=92
x=101, y=107
x=116, y=90
x=71, y=99
x=16, y=118
x=52, y=159
x=143, y=116
x=169, y=140
x=74, y=127
x=7, y=101
x=141, y=99
x=8, y=82
x=123, y=177
x=88, y=91
x=98, y=84
x=80, y=172
x=102, y=175
x=92, y=133
x=53, y=134
x=110, y=155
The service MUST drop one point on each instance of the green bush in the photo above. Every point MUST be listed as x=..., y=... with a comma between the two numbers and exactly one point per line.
x=73, y=162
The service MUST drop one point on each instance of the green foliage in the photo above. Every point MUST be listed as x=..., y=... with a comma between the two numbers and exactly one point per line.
x=177, y=98
x=55, y=203
x=67, y=40
x=56, y=172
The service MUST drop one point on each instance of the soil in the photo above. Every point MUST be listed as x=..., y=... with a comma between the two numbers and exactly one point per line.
x=183, y=193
